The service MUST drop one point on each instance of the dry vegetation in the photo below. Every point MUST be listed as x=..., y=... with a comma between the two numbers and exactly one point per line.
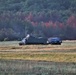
x=58, y=53
x=38, y=59
x=22, y=67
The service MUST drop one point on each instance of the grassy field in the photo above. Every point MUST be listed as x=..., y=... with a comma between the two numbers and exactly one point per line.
x=57, y=53
x=24, y=67
x=37, y=59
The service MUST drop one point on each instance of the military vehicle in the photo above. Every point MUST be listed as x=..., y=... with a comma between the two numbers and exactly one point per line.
x=54, y=40
x=29, y=39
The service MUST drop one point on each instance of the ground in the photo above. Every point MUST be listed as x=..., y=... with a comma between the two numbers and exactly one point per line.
x=38, y=59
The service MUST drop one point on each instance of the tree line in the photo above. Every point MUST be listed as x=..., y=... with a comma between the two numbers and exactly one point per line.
x=46, y=18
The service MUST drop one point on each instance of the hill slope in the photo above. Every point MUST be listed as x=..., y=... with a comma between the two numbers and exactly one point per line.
x=40, y=17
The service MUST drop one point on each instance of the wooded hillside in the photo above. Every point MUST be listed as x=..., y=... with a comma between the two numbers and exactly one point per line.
x=45, y=18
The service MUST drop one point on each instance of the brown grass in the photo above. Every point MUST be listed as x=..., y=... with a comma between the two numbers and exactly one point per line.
x=58, y=53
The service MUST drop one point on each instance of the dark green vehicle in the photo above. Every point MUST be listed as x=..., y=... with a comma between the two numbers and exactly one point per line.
x=33, y=40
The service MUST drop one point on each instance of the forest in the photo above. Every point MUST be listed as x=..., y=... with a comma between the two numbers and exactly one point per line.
x=41, y=18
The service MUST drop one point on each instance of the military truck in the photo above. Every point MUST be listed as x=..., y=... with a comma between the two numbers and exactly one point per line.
x=29, y=39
